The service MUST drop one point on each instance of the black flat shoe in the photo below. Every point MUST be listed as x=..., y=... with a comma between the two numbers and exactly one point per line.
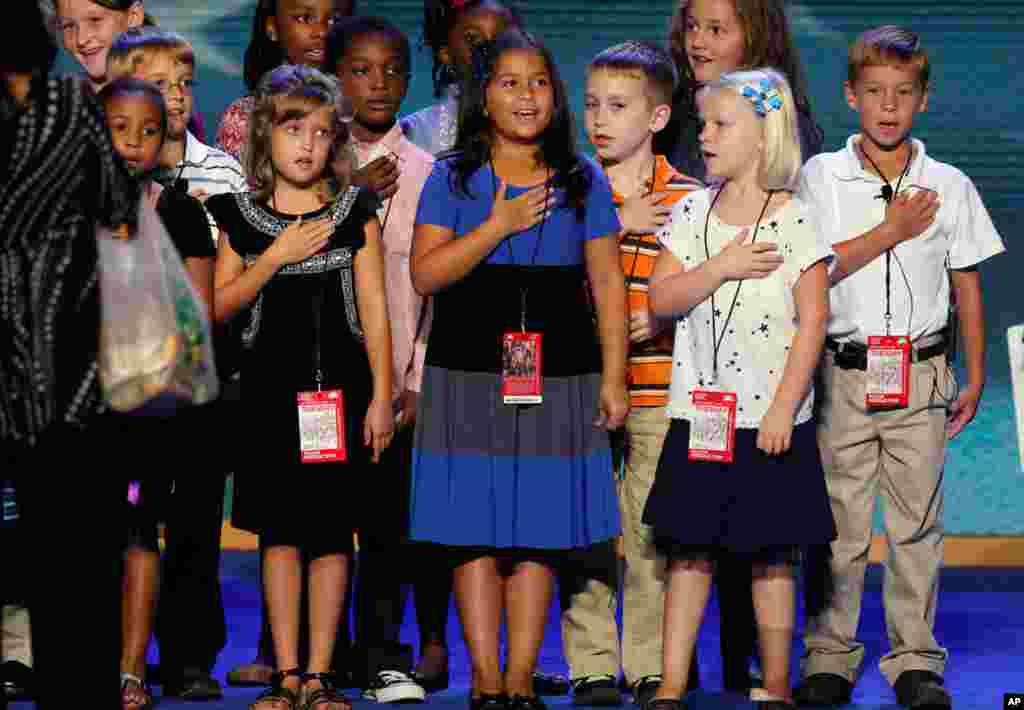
x=484, y=701
x=922, y=690
x=432, y=683
x=596, y=690
x=665, y=704
x=549, y=684
x=826, y=689
x=522, y=702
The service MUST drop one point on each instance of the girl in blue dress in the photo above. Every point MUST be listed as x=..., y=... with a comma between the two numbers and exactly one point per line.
x=510, y=229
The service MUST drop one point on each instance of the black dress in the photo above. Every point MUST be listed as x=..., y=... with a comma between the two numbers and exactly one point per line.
x=276, y=496
x=185, y=221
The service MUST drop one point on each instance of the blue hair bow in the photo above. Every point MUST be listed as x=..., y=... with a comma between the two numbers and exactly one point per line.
x=764, y=97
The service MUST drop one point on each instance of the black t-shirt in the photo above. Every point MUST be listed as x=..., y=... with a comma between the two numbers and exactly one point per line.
x=186, y=223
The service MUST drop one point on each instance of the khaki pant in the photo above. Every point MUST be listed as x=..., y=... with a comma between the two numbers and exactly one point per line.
x=16, y=645
x=589, y=632
x=897, y=453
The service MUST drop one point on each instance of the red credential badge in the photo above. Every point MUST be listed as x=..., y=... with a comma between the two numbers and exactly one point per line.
x=888, y=380
x=713, y=428
x=521, y=360
x=322, y=426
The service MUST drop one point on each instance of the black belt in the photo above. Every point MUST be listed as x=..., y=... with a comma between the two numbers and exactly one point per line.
x=854, y=356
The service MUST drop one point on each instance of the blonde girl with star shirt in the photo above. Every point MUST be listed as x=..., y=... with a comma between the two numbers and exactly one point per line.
x=744, y=272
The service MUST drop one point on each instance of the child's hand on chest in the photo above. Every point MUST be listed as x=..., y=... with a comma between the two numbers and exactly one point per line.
x=917, y=214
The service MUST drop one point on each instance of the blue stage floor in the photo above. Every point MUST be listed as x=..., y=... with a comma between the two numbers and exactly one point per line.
x=980, y=621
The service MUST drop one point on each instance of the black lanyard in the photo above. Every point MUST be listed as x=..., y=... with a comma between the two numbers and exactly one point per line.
x=318, y=327
x=716, y=342
x=887, y=195
x=524, y=290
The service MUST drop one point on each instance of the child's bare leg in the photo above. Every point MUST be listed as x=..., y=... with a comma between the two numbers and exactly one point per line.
x=686, y=597
x=774, y=593
x=480, y=599
x=282, y=585
x=328, y=580
x=140, y=587
x=527, y=600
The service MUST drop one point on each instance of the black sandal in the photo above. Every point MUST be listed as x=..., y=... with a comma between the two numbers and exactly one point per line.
x=326, y=694
x=278, y=692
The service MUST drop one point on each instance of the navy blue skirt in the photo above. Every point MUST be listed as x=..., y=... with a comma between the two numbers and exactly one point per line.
x=755, y=502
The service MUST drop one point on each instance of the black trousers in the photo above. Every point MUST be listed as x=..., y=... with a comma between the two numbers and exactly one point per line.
x=738, y=640
x=190, y=626
x=66, y=552
x=383, y=564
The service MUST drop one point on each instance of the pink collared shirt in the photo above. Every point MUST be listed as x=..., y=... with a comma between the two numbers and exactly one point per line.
x=408, y=312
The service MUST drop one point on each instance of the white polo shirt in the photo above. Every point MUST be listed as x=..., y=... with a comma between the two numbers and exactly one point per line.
x=209, y=170
x=846, y=200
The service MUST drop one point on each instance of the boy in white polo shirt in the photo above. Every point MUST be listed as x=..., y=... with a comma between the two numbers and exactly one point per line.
x=899, y=222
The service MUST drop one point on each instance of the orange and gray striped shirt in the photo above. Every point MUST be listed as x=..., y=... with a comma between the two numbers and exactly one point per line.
x=650, y=363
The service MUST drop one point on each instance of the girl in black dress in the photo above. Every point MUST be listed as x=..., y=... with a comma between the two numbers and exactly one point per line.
x=303, y=255
x=137, y=117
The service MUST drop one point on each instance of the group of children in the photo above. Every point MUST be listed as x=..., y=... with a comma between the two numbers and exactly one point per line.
x=373, y=274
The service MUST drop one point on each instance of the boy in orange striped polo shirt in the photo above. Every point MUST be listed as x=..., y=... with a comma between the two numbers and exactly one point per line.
x=628, y=100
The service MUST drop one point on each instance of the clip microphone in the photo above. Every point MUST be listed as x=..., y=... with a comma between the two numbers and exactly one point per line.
x=886, y=193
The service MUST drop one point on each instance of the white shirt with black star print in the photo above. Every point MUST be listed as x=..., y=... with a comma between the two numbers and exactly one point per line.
x=754, y=344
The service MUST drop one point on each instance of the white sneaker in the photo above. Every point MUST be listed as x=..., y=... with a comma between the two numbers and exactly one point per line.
x=395, y=687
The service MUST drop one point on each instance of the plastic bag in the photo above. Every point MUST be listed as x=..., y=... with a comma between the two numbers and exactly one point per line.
x=155, y=352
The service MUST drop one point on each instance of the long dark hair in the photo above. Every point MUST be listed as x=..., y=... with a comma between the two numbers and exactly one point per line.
x=263, y=53
x=439, y=16
x=767, y=42
x=557, y=147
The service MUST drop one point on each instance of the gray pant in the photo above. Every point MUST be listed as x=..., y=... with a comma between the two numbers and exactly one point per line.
x=898, y=454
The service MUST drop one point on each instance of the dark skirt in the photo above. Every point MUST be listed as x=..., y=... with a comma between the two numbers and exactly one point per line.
x=755, y=502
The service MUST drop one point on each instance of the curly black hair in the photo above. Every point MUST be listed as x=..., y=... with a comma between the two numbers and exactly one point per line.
x=439, y=16
x=343, y=34
x=557, y=145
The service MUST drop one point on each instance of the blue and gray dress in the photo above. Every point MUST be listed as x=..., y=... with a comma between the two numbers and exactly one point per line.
x=487, y=474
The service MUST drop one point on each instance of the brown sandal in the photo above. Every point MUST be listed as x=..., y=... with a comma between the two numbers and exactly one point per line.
x=324, y=697
x=250, y=675
x=135, y=694
x=282, y=698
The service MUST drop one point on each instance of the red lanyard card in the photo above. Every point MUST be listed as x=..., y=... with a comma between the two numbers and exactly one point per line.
x=713, y=428
x=888, y=380
x=521, y=359
x=322, y=426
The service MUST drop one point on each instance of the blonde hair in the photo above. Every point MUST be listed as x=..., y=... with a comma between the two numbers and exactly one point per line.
x=293, y=85
x=769, y=96
x=137, y=46
x=888, y=45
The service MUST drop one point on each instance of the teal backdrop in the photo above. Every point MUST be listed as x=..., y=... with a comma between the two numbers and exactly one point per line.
x=973, y=121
